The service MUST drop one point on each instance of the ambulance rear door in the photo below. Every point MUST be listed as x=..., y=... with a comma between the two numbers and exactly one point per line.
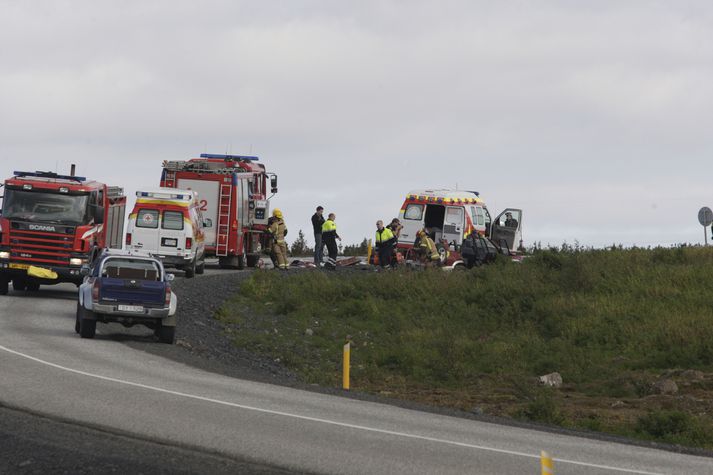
x=144, y=235
x=173, y=233
x=453, y=224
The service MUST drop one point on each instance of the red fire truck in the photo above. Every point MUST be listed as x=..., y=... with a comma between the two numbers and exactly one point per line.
x=51, y=225
x=233, y=195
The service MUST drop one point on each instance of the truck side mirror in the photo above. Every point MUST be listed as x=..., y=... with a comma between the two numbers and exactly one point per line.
x=98, y=215
x=273, y=183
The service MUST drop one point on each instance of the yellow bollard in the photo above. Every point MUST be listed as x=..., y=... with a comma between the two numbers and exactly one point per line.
x=547, y=465
x=345, y=366
x=368, y=252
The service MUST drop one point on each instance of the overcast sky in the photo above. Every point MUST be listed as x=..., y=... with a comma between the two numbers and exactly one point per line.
x=594, y=117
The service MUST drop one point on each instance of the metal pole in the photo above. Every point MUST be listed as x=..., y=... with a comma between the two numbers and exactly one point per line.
x=346, y=366
x=705, y=235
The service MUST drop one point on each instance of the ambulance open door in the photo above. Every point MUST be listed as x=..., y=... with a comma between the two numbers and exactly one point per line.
x=506, y=229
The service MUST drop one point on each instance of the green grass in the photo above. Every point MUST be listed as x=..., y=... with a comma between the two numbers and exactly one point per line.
x=610, y=321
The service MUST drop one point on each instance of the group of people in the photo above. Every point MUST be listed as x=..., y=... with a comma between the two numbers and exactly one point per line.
x=325, y=235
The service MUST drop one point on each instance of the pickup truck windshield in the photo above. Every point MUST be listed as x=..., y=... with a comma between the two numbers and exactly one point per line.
x=45, y=207
x=131, y=269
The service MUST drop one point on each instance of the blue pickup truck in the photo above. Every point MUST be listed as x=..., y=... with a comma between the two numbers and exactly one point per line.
x=131, y=290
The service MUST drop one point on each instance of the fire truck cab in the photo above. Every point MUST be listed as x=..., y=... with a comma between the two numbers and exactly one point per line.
x=452, y=216
x=51, y=225
x=233, y=197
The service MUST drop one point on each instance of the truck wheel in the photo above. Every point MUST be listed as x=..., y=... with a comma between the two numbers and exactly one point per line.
x=79, y=317
x=241, y=262
x=19, y=285
x=228, y=262
x=4, y=287
x=253, y=260
x=200, y=269
x=87, y=327
x=167, y=334
x=191, y=270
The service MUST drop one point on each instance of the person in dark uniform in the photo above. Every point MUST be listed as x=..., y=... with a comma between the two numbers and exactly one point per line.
x=317, y=222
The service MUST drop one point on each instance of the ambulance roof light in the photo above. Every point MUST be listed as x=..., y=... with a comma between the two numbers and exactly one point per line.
x=172, y=196
x=230, y=157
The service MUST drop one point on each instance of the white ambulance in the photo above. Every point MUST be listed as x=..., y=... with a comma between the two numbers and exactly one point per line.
x=167, y=223
x=452, y=215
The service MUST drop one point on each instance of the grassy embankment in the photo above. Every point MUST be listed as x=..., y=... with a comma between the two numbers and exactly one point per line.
x=613, y=323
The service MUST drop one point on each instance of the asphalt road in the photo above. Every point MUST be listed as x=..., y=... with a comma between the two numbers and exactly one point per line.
x=45, y=367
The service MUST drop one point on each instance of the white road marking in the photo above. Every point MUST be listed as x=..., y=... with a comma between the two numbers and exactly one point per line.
x=319, y=420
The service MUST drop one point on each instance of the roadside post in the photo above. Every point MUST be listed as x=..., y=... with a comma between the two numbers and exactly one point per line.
x=705, y=217
x=546, y=463
x=345, y=366
x=368, y=252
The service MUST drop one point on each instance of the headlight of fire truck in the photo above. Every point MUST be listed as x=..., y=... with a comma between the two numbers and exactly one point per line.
x=4, y=255
x=76, y=261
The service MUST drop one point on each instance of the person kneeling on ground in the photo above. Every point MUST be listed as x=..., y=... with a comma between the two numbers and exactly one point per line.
x=427, y=249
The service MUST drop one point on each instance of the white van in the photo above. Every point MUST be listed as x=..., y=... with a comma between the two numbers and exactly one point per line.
x=453, y=215
x=167, y=223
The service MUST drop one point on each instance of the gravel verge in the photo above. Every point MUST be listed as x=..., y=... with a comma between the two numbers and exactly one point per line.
x=201, y=340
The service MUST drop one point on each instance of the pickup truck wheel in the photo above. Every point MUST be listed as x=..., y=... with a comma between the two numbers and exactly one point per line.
x=200, y=269
x=167, y=334
x=79, y=317
x=191, y=270
x=87, y=328
x=18, y=285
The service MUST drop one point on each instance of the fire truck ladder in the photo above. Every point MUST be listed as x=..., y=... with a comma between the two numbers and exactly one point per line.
x=170, y=179
x=223, y=233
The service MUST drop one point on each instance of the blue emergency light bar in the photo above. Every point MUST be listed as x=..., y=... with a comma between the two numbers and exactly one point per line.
x=40, y=174
x=230, y=157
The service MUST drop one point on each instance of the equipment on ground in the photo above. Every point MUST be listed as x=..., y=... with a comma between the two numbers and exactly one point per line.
x=233, y=196
x=51, y=225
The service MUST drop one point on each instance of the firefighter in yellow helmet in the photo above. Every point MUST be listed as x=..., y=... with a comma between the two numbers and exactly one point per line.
x=427, y=248
x=278, y=230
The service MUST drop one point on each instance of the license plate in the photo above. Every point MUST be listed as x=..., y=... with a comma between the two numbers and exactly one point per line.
x=131, y=308
x=19, y=266
x=169, y=242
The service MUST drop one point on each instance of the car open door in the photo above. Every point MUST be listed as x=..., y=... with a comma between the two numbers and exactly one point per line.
x=506, y=229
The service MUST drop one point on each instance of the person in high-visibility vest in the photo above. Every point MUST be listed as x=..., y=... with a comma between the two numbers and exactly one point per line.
x=427, y=248
x=278, y=229
x=329, y=238
x=384, y=242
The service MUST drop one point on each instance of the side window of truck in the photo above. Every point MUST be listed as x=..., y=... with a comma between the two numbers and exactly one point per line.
x=414, y=211
x=147, y=218
x=172, y=220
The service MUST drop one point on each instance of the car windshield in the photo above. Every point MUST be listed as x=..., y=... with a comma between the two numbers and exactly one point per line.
x=45, y=207
x=120, y=268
